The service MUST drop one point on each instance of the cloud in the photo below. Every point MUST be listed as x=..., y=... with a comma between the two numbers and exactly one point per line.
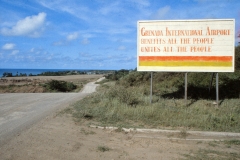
x=14, y=52
x=121, y=48
x=161, y=13
x=8, y=46
x=67, y=41
x=70, y=7
x=72, y=36
x=85, y=41
x=29, y=26
x=114, y=7
x=60, y=43
x=141, y=3
x=32, y=50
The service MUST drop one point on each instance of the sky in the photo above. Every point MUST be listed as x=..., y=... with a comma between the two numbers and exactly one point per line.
x=90, y=34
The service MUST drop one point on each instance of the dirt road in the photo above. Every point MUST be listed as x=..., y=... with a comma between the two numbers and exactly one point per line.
x=20, y=110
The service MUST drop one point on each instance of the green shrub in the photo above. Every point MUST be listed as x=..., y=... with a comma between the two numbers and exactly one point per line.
x=129, y=96
x=61, y=86
x=117, y=74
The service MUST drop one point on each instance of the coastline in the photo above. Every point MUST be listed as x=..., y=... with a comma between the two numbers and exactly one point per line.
x=39, y=72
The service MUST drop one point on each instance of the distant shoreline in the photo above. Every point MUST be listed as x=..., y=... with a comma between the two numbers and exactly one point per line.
x=48, y=72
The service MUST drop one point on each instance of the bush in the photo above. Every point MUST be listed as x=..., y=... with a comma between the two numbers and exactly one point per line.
x=117, y=75
x=6, y=74
x=128, y=96
x=61, y=86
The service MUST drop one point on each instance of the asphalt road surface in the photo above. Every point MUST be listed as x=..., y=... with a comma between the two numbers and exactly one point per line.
x=19, y=111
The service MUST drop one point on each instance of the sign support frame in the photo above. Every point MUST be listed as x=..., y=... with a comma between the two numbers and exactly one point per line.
x=151, y=88
x=186, y=85
x=217, y=90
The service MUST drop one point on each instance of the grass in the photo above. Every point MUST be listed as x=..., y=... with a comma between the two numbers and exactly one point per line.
x=87, y=132
x=109, y=109
x=213, y=144
x=126, y=104
x=183, y=134
x=212, y=154
x=217, y=152
x=103, y=148
x=102, y=82
x=232, y=142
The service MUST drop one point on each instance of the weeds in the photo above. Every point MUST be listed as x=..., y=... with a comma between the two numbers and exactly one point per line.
x=213, y=144
x=126, y=103
x=61, y=86
x=87, y=132
x=103, y=81
x=232, y=142
x=103, y=148
x=183, y=134
x=212, y=154
x=112, y=110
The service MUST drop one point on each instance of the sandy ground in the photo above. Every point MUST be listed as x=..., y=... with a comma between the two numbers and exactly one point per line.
x=58, y=137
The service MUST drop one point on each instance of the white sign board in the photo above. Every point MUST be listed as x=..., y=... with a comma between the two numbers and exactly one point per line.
x=186, y=45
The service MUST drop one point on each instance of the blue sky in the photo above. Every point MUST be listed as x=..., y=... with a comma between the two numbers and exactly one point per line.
x=90, y=34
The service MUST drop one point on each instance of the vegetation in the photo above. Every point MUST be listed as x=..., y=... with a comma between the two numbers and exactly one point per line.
x=60, y=86
x=74, y=72
x=216, y=151
x=59, y=73
x=127, y=102
x=87, y=132
x=109, y=109
x=103, y=148
x=211, y=154
x=232, y=142
x=116, y=75
x=6, y=74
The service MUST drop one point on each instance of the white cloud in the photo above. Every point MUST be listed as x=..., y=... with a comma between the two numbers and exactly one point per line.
x=29, y=26
x=85, y=41
x=72, y=36
x=14, y=52
x=71, y=7
x=59, y=43
x=8, y=46
x=32, y=50
x=67, y=41
x=114, y=7
x=121, y=48
x=142, y=3
x=161, y=13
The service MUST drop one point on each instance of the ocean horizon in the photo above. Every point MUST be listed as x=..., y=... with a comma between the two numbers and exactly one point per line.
x=37, y=71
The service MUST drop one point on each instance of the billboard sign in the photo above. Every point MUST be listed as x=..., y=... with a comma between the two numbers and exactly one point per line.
x=186, y=45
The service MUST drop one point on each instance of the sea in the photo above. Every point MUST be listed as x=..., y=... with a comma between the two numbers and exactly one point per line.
x=35, y=71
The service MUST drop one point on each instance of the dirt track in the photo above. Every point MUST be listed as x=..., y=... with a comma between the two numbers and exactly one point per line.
x=19, y=111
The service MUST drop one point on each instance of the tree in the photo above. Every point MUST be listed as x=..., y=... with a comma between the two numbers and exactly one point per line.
x=6, y=74
x=239, y=37
x=237, y=57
